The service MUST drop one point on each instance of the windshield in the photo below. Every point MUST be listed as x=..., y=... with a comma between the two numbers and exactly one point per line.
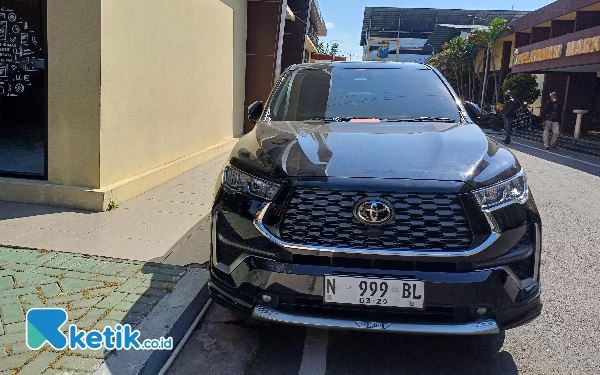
x=325, y=93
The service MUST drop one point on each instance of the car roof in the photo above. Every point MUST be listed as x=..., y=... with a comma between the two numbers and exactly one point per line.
x=363, y=65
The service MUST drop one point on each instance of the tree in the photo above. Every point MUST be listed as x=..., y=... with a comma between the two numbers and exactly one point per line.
x=488, y=37
x=472, y=49
x=457, y=62
x=524, y=87
x=326, y=49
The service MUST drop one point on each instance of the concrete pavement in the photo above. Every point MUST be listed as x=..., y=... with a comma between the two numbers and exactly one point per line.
x=564, y=340
x=140, y=264
x=144, y=228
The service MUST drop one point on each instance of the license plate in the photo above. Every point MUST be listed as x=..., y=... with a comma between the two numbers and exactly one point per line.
x=374, y=292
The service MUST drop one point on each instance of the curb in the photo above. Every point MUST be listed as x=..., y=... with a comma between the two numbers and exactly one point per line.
x=171, y=317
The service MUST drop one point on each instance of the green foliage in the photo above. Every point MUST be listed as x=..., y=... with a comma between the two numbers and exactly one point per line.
x=524, y=87
x=328, y=50
x=489, y=36
x=112, y=205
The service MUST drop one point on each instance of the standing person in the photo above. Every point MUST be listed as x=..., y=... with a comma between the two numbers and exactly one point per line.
x=509, y=113
x=551, y=114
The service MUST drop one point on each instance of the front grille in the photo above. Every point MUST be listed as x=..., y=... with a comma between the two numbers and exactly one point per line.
x=423, y=221
x=524, y=269
x=227, y=254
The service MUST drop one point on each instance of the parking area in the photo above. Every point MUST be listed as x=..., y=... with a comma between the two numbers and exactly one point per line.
x=564, y=340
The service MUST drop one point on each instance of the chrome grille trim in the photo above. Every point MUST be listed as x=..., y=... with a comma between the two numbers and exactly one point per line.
x=494, y=235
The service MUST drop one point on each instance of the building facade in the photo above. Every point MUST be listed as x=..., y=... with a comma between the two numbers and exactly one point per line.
x=560, y=44
x=102, y=100
x=284, y=32
x=421, y=31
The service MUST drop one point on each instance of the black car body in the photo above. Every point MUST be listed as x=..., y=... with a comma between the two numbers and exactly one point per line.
x=366, y=198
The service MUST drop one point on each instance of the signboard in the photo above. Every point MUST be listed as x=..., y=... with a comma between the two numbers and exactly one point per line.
x=574, y=48
x=587, y=45
x=542, y=54
x=382, y=49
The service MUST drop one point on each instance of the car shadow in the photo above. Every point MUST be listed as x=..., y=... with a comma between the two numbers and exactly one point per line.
x=358, y=352
x=162, y=275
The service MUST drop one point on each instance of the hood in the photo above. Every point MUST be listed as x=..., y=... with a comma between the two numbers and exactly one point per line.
x=417, y=151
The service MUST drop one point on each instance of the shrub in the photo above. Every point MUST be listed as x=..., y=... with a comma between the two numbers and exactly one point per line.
x=524, y=87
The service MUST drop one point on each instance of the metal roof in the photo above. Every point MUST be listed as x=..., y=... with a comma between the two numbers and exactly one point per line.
x=443, y=33
x=423, y=22
x=320, y=21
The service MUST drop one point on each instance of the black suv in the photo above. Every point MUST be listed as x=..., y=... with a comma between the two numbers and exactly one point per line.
x=365, y=198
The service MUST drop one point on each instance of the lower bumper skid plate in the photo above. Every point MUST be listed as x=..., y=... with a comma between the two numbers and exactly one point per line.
x=478, y=327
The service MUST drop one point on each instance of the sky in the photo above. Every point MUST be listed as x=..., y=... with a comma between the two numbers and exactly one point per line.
x=344, y=17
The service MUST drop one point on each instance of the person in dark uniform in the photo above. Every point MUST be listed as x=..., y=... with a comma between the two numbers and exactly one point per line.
x=509, y=113
x=551, y=114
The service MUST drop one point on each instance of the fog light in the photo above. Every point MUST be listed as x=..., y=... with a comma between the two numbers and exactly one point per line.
x=482, y=311
x=266, y=298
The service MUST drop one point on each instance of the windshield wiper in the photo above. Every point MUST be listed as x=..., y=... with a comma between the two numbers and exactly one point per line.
x=421, y=119
x=417, y=119
x=337, y=119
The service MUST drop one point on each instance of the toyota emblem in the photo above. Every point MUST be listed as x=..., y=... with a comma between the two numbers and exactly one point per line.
x=374, y=211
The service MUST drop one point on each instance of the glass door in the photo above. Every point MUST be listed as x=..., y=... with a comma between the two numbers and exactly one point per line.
x=23, y=124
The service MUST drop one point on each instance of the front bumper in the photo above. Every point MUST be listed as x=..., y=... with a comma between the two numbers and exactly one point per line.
x=482, y=293
x=478, y=327
x=295, y=296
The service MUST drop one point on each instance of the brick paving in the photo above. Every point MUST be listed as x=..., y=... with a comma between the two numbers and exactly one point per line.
x=96, y=292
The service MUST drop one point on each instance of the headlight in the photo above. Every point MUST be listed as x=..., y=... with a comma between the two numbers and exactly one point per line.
x=243, y=183
x=513, y=190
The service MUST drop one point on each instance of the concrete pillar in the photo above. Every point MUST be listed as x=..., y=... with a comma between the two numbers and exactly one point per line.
x=294, y=39
x=74, y=55
x=266, y=22
x=506, y=58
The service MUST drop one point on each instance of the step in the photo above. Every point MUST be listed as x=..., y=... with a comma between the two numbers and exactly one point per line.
x=565, y=143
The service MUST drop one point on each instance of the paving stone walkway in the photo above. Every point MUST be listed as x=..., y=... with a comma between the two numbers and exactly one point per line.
x=96, y=292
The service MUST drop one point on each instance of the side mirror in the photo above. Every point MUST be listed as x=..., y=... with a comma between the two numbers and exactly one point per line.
x=255, y=111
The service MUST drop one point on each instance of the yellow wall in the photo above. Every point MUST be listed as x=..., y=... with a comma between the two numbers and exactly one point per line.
x=496, y=63
x=74, y=92
x=139, y=91
x=172, y=81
